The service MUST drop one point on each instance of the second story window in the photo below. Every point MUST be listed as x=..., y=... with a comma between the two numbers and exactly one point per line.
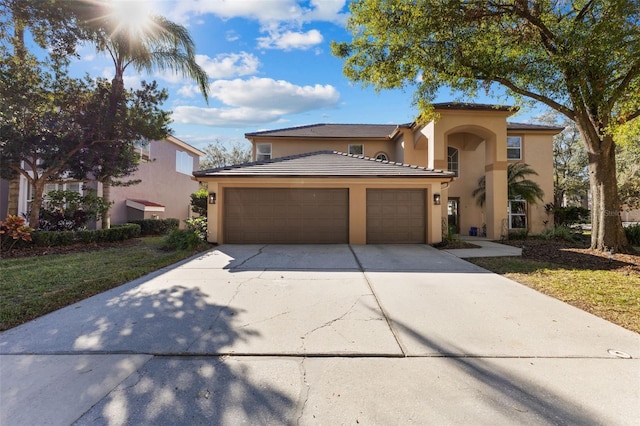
x=184, y=163
x=453, y=162
x=263, y=151
x=356, y=149
x=514, y=148
x=382, y=156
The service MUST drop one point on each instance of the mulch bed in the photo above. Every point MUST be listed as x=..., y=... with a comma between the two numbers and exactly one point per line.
x=577, y=256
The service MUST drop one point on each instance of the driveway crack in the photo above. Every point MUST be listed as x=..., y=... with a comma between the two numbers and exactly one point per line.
x=384, y=312
x=251, y=257
x=304, y=392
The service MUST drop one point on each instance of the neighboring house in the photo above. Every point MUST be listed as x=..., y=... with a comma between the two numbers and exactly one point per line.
x=364, y=184
x=166, y=183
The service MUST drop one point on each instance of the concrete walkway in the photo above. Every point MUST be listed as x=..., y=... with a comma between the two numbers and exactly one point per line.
x=320, y=335
x=486, y=248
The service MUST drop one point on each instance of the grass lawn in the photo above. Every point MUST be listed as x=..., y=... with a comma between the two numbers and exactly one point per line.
x=33, y=286
x=610, y=294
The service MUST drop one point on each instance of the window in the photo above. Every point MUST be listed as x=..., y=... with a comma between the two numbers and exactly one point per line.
x=517, y=214
x=356, y=149
x=143, y=150
x=48, y=187
x=382, y=156
x=184, y=163
x=263, y=151
x=514, y=148
x=453, y=164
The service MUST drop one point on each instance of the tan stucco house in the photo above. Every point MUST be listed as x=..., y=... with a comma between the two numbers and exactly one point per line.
x=372, y=183
x=164, y=188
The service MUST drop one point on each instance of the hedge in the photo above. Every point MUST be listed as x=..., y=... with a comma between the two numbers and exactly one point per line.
x=57, y=238
x=157, y=226
x=633, y=234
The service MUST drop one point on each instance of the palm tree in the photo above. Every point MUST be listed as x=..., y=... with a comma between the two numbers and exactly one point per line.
x=518, y=186
x=145, y=43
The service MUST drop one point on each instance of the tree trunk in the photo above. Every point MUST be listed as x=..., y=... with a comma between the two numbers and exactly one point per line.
x=607, y=233
x=36, y=203
x=14, y=195
x=106, y=196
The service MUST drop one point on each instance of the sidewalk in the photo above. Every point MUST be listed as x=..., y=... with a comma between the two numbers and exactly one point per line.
x=487, y=249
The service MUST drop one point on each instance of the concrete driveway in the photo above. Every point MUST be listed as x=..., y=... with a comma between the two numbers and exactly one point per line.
x=320, y=335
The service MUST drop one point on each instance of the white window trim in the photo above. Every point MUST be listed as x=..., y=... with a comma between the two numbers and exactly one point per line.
x=519, y=148
x=355, y=145
x=381, y=153
x=264, y=156
x=457, y=170
x=184, y=163
x=523, y=214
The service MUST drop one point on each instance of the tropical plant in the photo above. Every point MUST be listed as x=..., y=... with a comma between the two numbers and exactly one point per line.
x=13, y=229
x=518, y=186
x=577, y=57
x=145, y=43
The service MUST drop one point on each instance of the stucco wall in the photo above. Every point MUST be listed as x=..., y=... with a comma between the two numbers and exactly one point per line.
x=357, y=201
x=286, y=147
x=538, y=153
x=160, y=183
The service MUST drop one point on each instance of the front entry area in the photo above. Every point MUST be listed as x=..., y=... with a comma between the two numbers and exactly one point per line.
x=286, y=216
x=396, y=216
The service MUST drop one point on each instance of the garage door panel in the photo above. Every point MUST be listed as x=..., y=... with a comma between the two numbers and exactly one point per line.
x=396, y=216
x=286, y=215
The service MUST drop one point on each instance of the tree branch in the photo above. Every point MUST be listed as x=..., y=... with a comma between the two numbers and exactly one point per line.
x=545, y=100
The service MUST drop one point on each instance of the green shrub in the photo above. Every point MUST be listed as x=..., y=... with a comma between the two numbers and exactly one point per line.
x=62, y=238
x=633, y=234
x=157, y=226
x=518, y=235
x=569, y=215
x=183, y=239
x=198, y=225
x=563, y=233
x=200, y=201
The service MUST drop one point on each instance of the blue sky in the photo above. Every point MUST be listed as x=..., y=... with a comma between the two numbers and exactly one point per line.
x=270, y=66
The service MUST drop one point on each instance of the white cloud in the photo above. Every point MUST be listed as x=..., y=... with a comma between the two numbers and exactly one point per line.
x=257, y=101
x=225, y=65
x=262, y=11
x=289, y=40
x=229, y=64
x=269, y=93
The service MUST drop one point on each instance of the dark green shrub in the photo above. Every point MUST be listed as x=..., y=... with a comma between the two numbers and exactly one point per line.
x=571, y=215
x=200, y=201
x=518, y=235
x=57, y=238
x=183, y=239
x=157, y=226
x=560, y=233
x=633, y=234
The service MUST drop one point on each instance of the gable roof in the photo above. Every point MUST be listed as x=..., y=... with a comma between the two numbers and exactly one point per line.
x=325, y=130
x=325, y=164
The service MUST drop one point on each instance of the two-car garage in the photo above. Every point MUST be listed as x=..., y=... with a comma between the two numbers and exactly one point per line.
x=320, y=216
x=323, y=198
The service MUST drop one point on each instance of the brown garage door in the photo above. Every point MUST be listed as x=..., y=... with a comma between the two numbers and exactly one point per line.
x=286, y=216
x=396, y=216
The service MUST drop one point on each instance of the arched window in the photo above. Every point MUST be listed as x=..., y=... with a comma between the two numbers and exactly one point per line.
x=453, y=162
x=382, y=156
